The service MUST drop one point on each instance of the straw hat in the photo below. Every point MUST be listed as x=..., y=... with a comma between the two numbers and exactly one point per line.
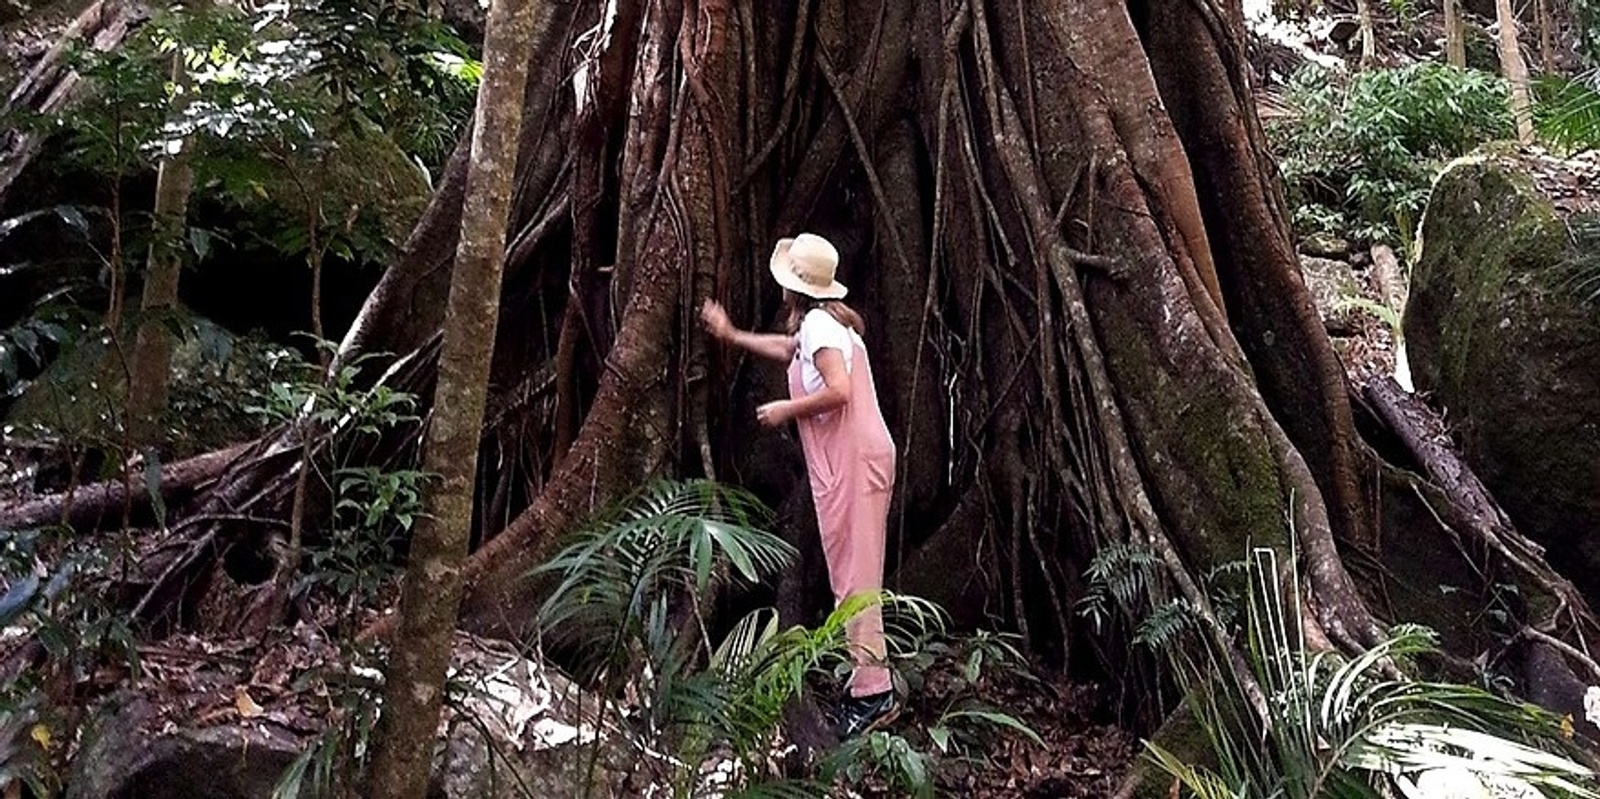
x=805, y=264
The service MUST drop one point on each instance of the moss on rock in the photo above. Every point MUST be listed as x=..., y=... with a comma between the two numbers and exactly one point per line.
x=1497, y=333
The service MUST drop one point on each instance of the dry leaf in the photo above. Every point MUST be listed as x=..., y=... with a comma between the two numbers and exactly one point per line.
x=41, y=736
x=247, y=706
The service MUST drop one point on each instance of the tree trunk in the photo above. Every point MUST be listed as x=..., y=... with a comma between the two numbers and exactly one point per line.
x=1547, y=32
x=1199, y=62
x=1514, y=69
x=90, y=506
x=152, y=348
x=431, y=592
x=685, y=243
x=1369, y=34
x=1455, y=36
x=49, y=87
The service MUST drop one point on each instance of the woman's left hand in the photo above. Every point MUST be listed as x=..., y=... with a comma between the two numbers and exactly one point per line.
x=774, y=414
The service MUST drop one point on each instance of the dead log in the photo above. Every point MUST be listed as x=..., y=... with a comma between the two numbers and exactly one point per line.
x=91, y=506
x=1471, y=511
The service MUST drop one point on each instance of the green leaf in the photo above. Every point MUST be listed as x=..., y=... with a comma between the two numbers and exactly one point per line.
x=996, y=718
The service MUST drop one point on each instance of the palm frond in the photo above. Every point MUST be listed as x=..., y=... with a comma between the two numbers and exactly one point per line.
x=1202, y=782
x=1567, y=112
x=1352, y=727
x=661, y=544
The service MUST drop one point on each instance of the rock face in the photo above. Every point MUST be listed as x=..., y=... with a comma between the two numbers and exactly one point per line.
x=1333, y=284
x=1499, y=332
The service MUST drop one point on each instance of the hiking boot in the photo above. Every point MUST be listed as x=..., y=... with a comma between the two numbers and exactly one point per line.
x=859, y=715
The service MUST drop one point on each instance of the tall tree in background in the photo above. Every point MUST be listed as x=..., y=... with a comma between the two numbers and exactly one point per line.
x=1455, y=35
x=1547, y=34
x=1368, y=31
x=152, y=350
x=1514, y=69
x=431, y=591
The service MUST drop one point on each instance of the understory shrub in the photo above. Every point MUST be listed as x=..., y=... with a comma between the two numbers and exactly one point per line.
x=1359, y=152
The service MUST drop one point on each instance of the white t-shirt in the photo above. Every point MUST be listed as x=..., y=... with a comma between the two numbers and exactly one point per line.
x=819, y=330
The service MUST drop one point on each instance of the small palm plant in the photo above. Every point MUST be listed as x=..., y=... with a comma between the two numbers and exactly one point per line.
x=1321, y=725
x=629, y=612
x=629, y=609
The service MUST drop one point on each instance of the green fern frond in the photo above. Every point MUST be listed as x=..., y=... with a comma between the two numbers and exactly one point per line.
x=1582, y=264
x=1330, y=726
x=1168, y=621
x=665, y=541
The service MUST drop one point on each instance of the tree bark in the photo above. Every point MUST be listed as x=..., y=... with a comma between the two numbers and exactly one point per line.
x=1515, y=70
x=152, y=349
x=1369, y=34
x=431, y=592
x=49, y=87
x=1199, y=61
x=636, y=417
x=88, y=506
x=1455, y=36
x=1547, y=28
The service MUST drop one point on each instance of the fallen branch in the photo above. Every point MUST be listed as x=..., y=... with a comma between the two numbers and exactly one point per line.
x=89, y=506
x=1472, y=511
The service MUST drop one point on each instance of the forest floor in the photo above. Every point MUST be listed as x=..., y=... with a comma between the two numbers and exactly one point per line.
x=1083, y=754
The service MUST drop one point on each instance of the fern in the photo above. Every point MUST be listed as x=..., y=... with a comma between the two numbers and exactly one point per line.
x=1119, y=575
x=1582, y=264
x=1168, y=621
x=665, y=542
x=1567, y=112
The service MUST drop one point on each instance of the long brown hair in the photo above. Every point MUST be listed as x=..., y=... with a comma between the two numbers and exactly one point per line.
x=799, y=305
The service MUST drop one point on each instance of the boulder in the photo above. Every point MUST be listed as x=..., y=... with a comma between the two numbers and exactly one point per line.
x=130, y=753
x=522, y=729
x=1333, y=284
x=1498, y=331
x=1324, y=245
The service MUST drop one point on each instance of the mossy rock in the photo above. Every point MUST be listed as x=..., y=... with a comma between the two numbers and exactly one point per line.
x=1498, y=331
x=362, y=168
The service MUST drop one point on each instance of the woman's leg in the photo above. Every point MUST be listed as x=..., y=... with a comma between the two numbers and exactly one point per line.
x=853, y=535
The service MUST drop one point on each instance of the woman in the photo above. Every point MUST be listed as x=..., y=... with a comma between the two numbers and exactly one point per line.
x=850, y=457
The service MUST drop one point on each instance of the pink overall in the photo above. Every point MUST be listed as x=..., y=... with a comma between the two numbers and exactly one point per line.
x=851, y=461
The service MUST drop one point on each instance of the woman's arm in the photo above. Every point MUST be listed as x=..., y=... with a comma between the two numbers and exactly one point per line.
x=834, y=394
x=775, y=346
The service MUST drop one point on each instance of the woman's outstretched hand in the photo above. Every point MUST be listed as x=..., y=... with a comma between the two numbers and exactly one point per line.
x=715, y=318
x=774, y=346
x=775, y=414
